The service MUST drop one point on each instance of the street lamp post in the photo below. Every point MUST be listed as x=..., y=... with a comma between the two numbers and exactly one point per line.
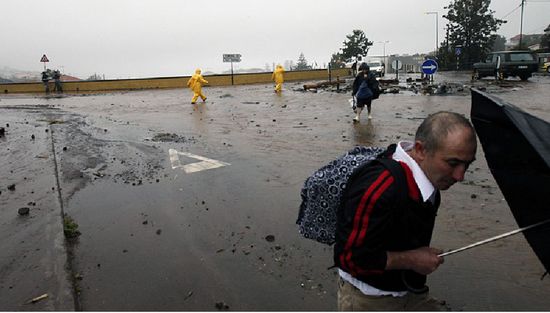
x=436, y=30
x=384, y=42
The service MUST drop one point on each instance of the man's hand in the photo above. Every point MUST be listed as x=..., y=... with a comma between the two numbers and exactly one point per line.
x=423, y=260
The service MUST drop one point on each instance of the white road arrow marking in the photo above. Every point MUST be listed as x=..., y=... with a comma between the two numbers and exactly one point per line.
x=203, y=165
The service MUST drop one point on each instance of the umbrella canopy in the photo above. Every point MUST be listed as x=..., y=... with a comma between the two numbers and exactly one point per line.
x=517, y=148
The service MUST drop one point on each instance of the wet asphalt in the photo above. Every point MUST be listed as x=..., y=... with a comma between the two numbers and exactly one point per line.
x=156, y=238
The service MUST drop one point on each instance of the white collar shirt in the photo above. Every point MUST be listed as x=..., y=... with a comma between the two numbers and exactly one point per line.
x=427, y=189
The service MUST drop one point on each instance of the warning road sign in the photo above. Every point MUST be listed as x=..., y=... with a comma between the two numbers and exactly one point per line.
x=44, y=59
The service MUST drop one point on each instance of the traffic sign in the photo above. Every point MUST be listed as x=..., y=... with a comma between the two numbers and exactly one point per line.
x=429, y=67
x=44, y=59
x=458, y=50
x=232, y=58
x=396, y=64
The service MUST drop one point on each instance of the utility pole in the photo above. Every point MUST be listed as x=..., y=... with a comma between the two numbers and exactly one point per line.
x=521, y=24
x=436, y=31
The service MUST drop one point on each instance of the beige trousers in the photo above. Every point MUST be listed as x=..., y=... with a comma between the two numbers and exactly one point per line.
x=352, y=299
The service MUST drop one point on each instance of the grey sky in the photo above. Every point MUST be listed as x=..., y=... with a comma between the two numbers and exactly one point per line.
x=149, y=38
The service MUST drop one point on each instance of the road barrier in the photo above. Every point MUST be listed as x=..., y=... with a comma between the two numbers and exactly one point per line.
x=169, y=82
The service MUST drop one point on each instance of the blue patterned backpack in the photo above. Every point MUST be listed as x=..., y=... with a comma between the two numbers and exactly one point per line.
x=323, y=190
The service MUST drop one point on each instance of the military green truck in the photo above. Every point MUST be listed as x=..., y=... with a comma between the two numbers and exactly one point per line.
x=503, y=64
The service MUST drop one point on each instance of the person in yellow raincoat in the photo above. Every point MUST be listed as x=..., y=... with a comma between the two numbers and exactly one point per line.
x=195, y=83
x=278, y=77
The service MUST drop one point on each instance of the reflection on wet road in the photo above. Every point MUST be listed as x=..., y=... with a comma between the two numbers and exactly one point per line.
x=158, y=233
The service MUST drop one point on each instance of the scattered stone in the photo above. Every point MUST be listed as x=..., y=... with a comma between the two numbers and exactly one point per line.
x=11, y=187
x=23, y=211
x=159, y=231
x=145, y=222
x=2, y=131
x=473, y=196
x=64, y=148
x=189, y=294
x=270, y=238
x=32, y=136
x=221, y=306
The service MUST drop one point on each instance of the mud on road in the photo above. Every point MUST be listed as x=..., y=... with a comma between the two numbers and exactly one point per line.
x=158, y=236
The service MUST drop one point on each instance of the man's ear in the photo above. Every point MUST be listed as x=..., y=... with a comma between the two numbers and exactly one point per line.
x=420, y=152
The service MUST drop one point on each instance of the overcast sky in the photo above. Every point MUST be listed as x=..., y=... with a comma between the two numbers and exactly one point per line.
x=150, y=38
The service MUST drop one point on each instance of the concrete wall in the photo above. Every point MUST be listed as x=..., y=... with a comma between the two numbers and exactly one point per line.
x=169, y=82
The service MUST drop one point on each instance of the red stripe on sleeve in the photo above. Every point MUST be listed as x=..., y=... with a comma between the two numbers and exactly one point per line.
x=360, y=222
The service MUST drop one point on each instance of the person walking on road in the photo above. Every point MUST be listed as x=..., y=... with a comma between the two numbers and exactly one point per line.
x=45, y=81
x=363, y=86
x=195, y=83
x=278, y=77
x=58, y=88
x=385, y=222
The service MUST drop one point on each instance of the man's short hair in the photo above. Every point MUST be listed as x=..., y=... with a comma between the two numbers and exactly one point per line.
x=437, y=126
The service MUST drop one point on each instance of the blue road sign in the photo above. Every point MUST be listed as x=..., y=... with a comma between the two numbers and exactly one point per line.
x=429, y=67
x=458, y=50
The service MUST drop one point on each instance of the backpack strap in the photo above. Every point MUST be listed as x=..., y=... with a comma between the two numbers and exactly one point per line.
x=398, y=174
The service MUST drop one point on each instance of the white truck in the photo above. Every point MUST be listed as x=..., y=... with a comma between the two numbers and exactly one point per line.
x=375, y=63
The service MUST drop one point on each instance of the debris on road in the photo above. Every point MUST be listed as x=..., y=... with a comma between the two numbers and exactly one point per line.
x=34, y=300
x=221, y=306
x=23, y=211
x=324, y=84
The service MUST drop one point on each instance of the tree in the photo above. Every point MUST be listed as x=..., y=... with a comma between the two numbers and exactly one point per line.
x=499, y=43
x=471, y=26
x=356, y=44
x=302, y=63
x=95, y=77
x=337, y=61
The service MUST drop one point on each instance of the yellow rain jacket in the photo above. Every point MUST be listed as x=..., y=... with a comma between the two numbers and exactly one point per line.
x=278, y=77
x=195, y=83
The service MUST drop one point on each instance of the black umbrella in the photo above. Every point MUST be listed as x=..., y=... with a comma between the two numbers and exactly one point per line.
x=517, y=148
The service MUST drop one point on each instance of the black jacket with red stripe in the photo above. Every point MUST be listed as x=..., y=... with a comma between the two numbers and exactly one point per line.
x=374, y=218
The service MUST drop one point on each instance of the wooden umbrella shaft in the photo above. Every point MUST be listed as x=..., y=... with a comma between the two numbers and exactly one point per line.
x=479, y=243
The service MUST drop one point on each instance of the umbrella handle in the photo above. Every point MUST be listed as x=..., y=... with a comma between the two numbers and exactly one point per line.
x=479, y=243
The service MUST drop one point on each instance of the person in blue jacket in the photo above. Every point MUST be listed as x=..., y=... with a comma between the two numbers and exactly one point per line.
x=363, y=86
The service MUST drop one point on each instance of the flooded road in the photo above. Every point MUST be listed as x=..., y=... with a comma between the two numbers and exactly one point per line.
x=158, y=236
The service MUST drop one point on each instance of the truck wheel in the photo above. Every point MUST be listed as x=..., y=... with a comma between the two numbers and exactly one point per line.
x=524, y=77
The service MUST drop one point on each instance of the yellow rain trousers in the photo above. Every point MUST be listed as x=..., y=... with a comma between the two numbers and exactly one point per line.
x=278, y=77
x=195, y=83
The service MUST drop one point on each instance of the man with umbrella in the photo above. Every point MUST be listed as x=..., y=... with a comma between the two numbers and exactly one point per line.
x=385, y=222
